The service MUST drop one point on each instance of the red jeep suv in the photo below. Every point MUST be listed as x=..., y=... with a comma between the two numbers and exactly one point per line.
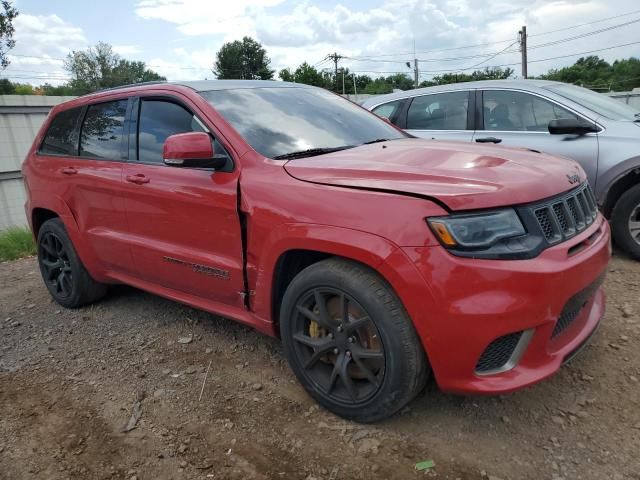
x=378, y=258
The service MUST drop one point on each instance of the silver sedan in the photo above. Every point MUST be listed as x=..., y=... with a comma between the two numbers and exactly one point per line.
x=601, y=133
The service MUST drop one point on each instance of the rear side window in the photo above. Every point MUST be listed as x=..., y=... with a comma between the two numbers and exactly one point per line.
x=441, y=111
x=61, y=138
x=102, y=130
x=160, y=119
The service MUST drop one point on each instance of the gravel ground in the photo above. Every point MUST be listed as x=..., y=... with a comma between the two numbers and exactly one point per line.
x=73, y=381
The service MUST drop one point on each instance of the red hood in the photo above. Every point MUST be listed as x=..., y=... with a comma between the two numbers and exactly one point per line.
x=461, y=175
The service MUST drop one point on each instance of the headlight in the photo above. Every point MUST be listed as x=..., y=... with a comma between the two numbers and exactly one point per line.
x=477, y=231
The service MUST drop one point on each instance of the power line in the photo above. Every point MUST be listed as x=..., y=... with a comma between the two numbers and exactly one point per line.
x=588, y=34
x=492, y=57
x=497, y=42
x=584, y=24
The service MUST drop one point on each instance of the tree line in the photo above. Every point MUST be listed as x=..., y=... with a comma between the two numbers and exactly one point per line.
x=99, y=67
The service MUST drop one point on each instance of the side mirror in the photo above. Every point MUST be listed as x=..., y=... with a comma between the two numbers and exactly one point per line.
x=571, y=126
x=192, y=150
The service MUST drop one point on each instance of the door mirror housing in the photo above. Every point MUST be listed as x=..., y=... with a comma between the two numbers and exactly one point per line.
x=571, y=126
x=192, y=150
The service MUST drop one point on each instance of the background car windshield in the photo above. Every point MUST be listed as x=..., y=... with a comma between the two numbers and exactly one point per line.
x=280, y=120
x=599, y=103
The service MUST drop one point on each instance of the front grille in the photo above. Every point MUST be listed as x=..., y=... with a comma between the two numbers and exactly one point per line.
x=566, y=216
x=498, y=353
x=574, y=306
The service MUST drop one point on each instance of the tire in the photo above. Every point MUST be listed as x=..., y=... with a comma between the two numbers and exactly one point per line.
x=625, y=233
x=358, y=356
x=63, y=273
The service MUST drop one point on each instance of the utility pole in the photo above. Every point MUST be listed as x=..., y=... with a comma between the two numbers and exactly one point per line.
x=523, y=49
x=355, y=90
x=343, y=90
x=416, y=72
x=335, y=57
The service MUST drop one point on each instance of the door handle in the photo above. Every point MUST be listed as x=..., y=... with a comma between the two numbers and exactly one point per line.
x=69, y=170
x=138, y=179
x=488, y=140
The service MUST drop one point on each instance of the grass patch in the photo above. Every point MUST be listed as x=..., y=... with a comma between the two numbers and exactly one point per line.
x=16, y=242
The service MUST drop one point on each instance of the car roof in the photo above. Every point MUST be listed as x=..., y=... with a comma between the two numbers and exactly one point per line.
x=518, y=84
x=207, y=85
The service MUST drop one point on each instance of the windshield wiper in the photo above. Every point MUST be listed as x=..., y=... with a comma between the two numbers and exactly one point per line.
x=377, y=140
x=310, y=152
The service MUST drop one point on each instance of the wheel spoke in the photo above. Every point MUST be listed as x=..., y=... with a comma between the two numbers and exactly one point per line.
x=323, y=318
x=367, y=371
x=634, y=225
x=353, y=325
x=346, y=378
x=308, y=314
x=317, y=355
x=59, y=280
x=363, y=353
x=344, y=303
x=334, y=374
x=46, y=246
x=51, y=264
x=59, y=247
x=311, y=341
x=66, y=283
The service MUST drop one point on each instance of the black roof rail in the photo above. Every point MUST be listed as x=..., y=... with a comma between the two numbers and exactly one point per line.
x=153, y=82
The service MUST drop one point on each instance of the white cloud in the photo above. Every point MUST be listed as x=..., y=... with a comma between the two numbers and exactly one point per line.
x=206, y=17
x=42, y=41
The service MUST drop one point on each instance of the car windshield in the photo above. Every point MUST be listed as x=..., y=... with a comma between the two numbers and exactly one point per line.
x=597, y=102
x=286, y=122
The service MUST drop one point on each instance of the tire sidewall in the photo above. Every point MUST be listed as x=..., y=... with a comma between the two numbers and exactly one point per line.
x=56, y=227
x=395, y=383
x=620, y=218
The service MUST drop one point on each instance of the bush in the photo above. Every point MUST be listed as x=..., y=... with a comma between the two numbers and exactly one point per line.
x=16, y=242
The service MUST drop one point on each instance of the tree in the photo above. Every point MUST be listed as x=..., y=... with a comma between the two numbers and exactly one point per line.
x=597, y=74
x=489, y=73
x=99, y=67
x=244, y=59
x=6, y=87
x=308, y=75
x=7, y=15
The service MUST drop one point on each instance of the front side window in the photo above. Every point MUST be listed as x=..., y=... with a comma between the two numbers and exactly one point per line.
x=388, y=110
x=61, y=138
x=509, y=111
x=441, y=111
x=158, y=120
x=278, y=121
x=102, y=130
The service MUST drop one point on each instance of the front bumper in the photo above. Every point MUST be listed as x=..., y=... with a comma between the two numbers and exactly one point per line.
x=474, y=302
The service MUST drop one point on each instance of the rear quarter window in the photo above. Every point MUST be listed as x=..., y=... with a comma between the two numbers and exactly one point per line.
x=388, y=110
x=61, y=137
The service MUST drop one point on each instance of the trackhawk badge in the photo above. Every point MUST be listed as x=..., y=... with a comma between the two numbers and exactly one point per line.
x=573, y=178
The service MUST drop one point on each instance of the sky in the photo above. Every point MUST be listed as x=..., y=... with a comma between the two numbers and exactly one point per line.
x=179, y=38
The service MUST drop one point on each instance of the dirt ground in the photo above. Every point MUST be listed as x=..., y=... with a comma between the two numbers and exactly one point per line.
x=70, y=381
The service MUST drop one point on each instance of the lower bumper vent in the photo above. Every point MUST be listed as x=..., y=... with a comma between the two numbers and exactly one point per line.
x=574, y=306
x=497, y=355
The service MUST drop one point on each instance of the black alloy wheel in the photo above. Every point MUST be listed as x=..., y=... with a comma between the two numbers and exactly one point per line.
x=338, y=345
x=56, y=268
x=350, y=342
x=63, y=273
